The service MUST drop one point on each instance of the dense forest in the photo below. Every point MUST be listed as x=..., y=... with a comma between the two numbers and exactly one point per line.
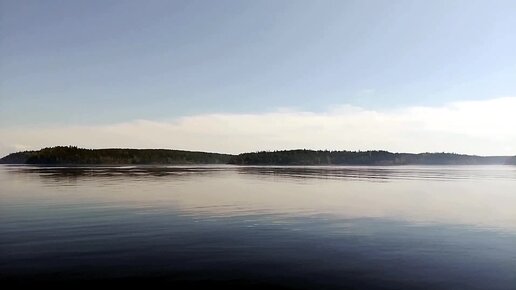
x=311, y=157
x=73, y=155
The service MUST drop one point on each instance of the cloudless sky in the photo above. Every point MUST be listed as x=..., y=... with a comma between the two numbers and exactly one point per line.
x=90, y=62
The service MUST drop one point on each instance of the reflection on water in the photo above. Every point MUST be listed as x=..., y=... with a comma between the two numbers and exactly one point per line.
x=411, y=227
x=333, y=172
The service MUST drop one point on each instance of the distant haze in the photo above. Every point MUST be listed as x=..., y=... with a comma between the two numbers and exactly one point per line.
x=475, y=127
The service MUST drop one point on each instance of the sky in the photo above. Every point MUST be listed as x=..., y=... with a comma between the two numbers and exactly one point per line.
x=235, y=76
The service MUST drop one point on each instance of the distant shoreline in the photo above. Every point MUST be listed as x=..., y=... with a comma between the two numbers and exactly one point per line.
x=74, y=156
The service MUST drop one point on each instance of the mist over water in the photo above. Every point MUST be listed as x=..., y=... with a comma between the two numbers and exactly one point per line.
x=334, y=227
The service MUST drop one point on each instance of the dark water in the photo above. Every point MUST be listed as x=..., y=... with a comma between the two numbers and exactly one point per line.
x=260, y=227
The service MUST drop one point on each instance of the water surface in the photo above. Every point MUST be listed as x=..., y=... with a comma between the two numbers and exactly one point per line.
x=404, y=227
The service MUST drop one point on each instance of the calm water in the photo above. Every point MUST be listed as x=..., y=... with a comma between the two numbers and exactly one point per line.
x=244, y=227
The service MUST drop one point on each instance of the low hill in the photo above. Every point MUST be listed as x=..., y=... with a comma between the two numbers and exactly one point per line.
x=70, y=155
x=74, y=155
x=311, y=157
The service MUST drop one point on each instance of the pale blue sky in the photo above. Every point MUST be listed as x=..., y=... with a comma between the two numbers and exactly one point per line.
x=101, y=62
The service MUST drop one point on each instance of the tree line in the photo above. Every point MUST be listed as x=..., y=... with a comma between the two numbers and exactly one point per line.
x=325, y=157
x=75, y=155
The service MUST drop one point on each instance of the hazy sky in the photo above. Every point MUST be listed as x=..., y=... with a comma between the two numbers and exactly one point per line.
x=233, y=76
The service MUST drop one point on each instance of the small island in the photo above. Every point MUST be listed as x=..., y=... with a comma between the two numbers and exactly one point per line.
x=311, y=157
x=72, y=155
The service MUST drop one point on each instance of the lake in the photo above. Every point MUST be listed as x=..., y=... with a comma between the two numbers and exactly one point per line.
x=332, y=227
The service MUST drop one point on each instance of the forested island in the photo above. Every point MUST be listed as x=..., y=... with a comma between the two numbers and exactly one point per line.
x=71, y=155
x=311, y=157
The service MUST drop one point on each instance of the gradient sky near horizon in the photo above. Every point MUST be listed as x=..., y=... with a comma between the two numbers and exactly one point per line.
x=235, y=76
